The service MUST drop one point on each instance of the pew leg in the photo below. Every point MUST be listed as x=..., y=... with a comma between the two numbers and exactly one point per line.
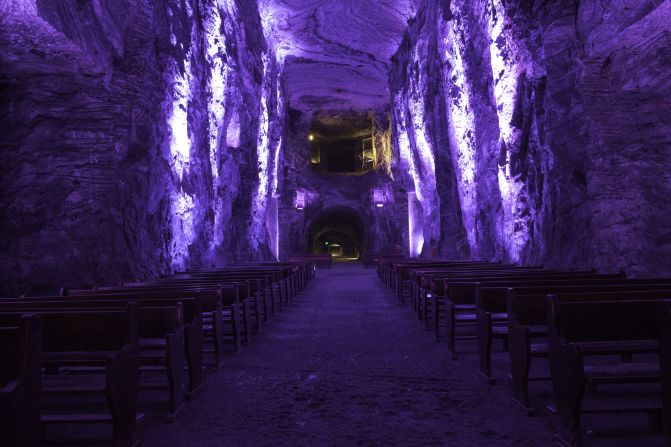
x=193, y=345
x=257, y=313
x=246, y=321
x=122, y=383
x=450, y=328
x=483, y=323
x=568, y=382
x=436, y=321
x=174, y=345
x=655, y=421
x=266, y=307
x=218, y=334
x=520, y=363
x=416, y=304
x=278, y=294
x=270, y=298
x=235, y=317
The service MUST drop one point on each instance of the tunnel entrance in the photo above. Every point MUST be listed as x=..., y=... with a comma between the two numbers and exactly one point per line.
x=338, y=231
x=342, y=144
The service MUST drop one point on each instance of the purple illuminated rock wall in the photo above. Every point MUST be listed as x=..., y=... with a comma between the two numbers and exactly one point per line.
x=137, y=137
x=383, y=228
x=539, y=131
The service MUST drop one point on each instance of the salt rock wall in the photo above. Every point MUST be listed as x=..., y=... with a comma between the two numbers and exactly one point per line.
x=537, y=131
x=126, y=129
x=324, y=193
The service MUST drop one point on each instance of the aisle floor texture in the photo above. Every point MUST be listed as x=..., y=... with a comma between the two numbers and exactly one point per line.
x=346, y=364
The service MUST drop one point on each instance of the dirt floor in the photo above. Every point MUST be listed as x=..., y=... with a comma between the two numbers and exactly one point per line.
x=347, y=365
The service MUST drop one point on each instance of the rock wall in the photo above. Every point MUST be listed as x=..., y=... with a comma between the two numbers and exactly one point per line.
x=536, y=130
x=126, y=129
x=351, y=196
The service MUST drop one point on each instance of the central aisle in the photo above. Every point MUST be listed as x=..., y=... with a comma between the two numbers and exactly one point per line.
x=347, y=365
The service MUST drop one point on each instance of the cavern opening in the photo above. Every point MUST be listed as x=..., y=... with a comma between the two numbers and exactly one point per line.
x=338, y=231
x=342, y=144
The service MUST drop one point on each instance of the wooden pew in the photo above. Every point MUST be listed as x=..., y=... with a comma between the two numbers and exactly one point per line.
x=491, y=303
x=260, y=290
x=405, y=278
x=402, y=274
x=20, y=382
x=459, y=300
x=191, y=315
x=211, y=308
x=384, y=267
x=236, y=304
x=422, y=279
x=161, y=336
x=105, y=342
x=255, y=287
x=527, y=324
x=279, y=290
x=447, y=303
x=615, y=328
x=664, y=338
x=294, y=275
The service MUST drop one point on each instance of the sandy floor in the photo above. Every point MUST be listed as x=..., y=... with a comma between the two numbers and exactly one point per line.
x=346, y=365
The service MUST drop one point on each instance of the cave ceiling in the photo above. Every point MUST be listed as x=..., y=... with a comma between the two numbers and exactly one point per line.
x=337, y=52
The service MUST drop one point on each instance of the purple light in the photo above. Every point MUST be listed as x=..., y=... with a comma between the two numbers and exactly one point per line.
x=260, y=199
x=415, y=226
x=299, y=200
x=505, y=54
x=233, y=131
x=461, y=129
x=180, y=142
x=219, y=71
x=183, y=229
x=181, y=204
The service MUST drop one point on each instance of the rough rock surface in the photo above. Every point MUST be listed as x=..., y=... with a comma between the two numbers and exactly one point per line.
x=542, y=121
x=127, y=128
x=384, y=228
x=337, y=52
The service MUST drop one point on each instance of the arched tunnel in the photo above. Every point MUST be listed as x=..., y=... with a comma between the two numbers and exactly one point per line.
x=338, y=231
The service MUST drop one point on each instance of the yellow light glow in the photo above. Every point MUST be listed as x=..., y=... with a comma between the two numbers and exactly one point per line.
x=311, y=137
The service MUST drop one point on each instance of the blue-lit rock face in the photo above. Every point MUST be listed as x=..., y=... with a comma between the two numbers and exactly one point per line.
x=138, y=137
x=540, y=124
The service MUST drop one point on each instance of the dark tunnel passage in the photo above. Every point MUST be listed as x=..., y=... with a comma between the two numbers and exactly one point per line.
x=338, y=231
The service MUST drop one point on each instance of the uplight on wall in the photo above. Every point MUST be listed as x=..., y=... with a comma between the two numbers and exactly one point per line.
x=299, y=201
x=379, y=198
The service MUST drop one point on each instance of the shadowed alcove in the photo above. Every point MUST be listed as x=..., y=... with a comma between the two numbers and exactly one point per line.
x=339, y=231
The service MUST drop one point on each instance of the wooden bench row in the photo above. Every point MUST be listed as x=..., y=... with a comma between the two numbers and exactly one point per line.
x=569, y=318
x=102, y=341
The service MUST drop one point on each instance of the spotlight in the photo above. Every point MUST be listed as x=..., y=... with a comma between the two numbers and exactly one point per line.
x=379, y=205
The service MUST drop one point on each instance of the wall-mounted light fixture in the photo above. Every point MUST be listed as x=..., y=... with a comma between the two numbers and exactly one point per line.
x=311, y=137
x=379, y=198
x=299, y=202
